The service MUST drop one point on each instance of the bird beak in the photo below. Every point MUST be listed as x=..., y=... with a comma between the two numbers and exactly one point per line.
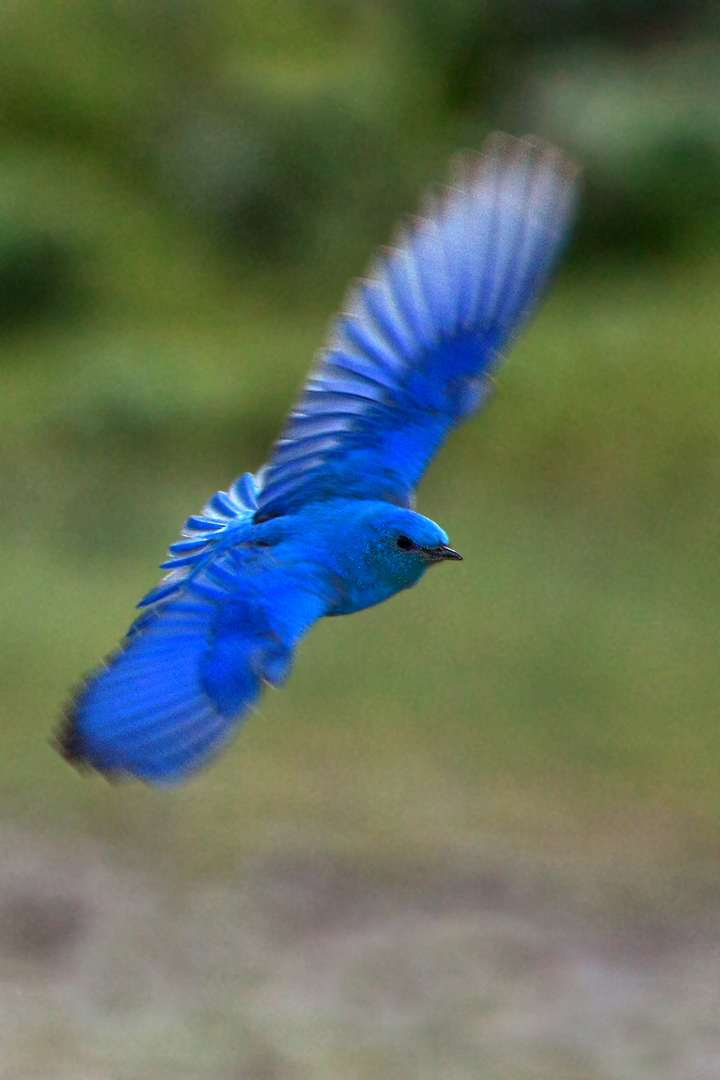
x=442, y=552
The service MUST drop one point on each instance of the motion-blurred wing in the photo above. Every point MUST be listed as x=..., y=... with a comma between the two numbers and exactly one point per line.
x=213, y=632
x=412, y=357
x=150, y=711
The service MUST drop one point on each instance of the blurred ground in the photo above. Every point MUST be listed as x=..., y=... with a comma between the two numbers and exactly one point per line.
x=313, y=965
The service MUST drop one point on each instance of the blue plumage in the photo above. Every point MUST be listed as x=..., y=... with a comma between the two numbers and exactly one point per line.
x=326, y=527
x=410, y=359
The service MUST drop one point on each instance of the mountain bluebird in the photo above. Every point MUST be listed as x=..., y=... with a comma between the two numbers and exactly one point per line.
x=327, y=526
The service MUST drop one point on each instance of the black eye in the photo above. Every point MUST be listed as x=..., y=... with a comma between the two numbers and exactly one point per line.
x=404, y=543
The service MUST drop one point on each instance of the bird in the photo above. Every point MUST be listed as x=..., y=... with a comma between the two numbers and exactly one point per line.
x=328, y=526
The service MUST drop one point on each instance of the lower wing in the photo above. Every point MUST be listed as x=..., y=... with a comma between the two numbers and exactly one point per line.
x=184, y=678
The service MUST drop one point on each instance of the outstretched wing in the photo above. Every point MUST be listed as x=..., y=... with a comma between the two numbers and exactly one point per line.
x=411, y=358
x=148, y=712
x=223, y=622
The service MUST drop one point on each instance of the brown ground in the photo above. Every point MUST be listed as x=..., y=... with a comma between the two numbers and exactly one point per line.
x=478, y=968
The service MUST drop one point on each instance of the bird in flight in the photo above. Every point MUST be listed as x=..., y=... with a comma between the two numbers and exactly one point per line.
x=327, y=526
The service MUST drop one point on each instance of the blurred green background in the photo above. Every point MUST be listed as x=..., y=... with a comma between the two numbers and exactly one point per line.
x=185, y=185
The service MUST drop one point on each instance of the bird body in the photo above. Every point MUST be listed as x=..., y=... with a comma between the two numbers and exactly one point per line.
x=327, y=527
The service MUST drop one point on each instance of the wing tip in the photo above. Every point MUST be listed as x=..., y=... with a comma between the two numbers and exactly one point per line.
x=67, y=739
x=417, y=292
x=505, y=150
x=542, y=163
x=68, y=742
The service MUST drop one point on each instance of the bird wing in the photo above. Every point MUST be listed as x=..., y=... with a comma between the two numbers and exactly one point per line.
x=412, y=356
x=222, y=623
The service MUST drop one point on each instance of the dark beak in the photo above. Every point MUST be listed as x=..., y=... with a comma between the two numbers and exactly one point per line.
x=442, y=552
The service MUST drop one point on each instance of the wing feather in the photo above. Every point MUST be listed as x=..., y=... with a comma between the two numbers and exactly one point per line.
x=411, y=357
x=190, y=669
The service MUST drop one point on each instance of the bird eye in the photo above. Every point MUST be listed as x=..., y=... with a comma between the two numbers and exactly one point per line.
x=404, y=542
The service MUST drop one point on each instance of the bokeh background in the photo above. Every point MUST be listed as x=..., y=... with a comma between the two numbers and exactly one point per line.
x=476, y=835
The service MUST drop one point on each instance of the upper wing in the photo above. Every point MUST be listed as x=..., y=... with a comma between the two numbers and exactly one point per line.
x=412, y=356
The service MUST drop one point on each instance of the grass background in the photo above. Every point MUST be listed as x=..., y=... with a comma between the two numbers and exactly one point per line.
x=558, y=689
x=476, y=834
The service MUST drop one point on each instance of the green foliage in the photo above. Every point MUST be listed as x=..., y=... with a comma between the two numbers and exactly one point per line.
x=184, y=190
x=566, y=667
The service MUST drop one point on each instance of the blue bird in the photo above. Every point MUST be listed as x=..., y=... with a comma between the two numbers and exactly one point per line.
x=327, y=527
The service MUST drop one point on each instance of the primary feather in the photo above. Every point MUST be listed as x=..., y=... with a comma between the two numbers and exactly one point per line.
x=326, y=527
x=411, y=357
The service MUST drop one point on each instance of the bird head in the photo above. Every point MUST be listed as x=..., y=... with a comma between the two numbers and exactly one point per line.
x=389, y=548
x=410, y=542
